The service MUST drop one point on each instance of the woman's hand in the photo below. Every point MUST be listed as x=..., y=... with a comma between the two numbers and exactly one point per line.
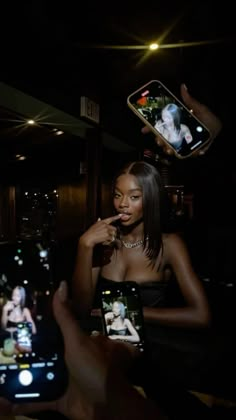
x=109, y=317
x=101, y=232
x=9, y=306
x=203, y=113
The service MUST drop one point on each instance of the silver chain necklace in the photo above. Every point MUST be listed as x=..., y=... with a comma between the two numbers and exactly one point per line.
x=132, y=245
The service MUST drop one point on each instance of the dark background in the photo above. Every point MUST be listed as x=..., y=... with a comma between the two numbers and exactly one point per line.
x=58, y=51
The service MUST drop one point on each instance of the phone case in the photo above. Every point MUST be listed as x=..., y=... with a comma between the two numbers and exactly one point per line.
x=169, y=118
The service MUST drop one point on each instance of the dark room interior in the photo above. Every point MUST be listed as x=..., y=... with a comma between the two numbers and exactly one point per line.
x=57, y=159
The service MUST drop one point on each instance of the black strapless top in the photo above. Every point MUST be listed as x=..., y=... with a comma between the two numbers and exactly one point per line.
x=12, y=324
x=153, y=293
x=123, y=331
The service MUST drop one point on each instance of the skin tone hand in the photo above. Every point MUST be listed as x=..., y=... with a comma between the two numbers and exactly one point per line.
x=203, y=113
x=100, y=232
x=92, y=391
x=9, y=306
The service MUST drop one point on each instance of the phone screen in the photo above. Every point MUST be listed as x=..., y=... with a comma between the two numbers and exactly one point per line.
x=122, y=313
x=31, y=347
x=169, y=118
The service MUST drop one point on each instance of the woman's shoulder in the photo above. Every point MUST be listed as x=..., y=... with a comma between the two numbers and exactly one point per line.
x=170, y=236
x=174, y=247
x=26, y=311
x=172, y=239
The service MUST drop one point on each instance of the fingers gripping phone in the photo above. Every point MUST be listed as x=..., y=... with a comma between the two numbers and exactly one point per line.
x=168, y=118
x=122, y=313
x=32, y=364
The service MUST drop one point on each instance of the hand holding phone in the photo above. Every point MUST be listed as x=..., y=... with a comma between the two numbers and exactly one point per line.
x=32, y=366
x=86, y=389
x=178, y=128
x=203, y=113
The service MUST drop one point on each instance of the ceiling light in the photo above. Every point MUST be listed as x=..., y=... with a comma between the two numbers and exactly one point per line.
x=153, y=46
x=20, y=157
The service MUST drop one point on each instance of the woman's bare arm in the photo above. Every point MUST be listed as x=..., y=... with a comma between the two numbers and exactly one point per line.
x=133, y=332
x=29, y=318
x=132, y=337
x=196, y=312
x=5, y=313
x=85, y=276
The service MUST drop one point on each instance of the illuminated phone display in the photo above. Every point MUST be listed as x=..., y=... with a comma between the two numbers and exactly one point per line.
x=123, y=314
x=31, y=347
x=167, y=117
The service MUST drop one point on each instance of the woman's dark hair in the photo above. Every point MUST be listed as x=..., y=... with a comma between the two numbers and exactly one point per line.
x=175, y=111
x=150, y=183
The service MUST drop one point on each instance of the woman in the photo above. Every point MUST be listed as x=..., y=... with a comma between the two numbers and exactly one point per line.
x=171, y=128
x=118, y=326
x=15, y=311
x=139, y=252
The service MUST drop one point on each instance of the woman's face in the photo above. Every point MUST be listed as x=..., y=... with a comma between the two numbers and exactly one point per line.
x=116, y=309
x=167, y=117
x=128, y=199
x=16, y=296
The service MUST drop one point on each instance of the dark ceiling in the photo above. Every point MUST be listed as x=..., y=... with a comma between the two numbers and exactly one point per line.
x=58, y=51
x=38, y=152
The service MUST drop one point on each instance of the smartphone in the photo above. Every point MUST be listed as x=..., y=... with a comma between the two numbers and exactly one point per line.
x=122, y=313
x=23, y=337
x=169, y=118
x=32, y=366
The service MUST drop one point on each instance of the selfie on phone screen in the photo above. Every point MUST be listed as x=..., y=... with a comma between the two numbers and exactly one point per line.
x=31, y=358
x=122, y=314
x=169, y=118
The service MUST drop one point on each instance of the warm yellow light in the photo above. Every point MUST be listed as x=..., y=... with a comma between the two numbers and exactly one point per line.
x=153, y=46
x=31, y=122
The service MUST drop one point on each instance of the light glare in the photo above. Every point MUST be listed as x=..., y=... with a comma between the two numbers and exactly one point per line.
x=153, y=46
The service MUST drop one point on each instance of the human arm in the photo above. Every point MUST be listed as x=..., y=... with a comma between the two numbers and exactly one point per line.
x=29, y=318
x=85, y=276
x=132, y=337
x=9, y=306
x=203, y=113
x=186, y=133
x=160, y=126
x=98, y=388
x=196, y=312
x=109, y=317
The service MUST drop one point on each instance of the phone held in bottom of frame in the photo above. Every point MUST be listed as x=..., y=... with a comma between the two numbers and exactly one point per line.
x=122, y=313
x=168, y=118
x=32, y=366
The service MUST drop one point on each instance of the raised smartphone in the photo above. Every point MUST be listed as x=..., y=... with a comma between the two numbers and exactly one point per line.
x=32, y=365
x=169, y=118
x=122, y=313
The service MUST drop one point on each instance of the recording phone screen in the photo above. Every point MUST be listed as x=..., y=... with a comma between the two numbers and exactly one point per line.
x=123, y=314
x=31, y=348
x=154, y=104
